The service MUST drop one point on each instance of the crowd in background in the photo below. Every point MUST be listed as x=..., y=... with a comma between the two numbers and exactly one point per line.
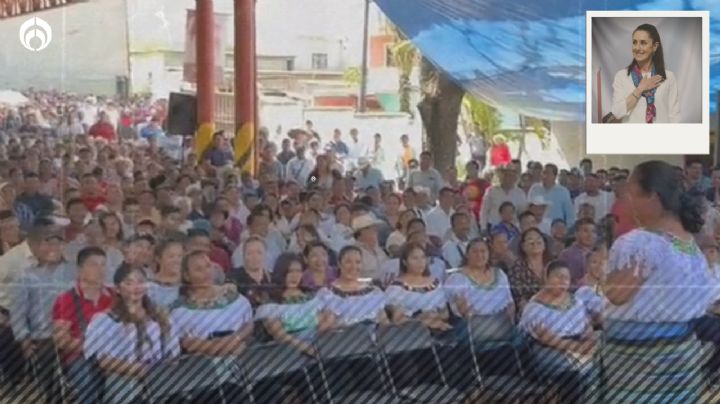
x=116, y=255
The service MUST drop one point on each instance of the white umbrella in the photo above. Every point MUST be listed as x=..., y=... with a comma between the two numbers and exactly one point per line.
x=12, y=98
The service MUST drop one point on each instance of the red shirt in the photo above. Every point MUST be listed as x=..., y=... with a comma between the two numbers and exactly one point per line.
x=220, y=257
x=126, y=120
x=64, y=310
x=624, y=220
x=103, y=130
x=500, y=155
x=92, y=202
x=474, y=191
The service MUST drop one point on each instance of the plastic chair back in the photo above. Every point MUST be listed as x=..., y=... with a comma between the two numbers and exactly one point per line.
x=264, y=361
x=347, y=342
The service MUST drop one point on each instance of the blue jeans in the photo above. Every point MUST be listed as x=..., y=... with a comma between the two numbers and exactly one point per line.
x=85, y=379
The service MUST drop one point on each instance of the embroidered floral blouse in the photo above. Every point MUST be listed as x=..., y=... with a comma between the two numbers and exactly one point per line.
x=414, y=300
x=353, y=307
x=570, y=320
x=228, y=313
x=676, y=287
x=483, y=299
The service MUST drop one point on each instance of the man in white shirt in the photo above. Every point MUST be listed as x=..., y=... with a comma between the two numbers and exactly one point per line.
x=259, y=226
x=560, y=205
x=454, y=249
x=366, y=238
x=437, y=220
x=495, y=196
x=601, y=200
x=299, y=168
x=427, y=176
x=12, y=266
x=367, y=176
x=422, y=202
x=356, y=149
x=538, y=206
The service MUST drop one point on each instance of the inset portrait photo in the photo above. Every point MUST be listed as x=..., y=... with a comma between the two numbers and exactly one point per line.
x=648, y=71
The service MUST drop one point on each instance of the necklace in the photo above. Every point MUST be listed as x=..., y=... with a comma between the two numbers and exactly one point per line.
x=685, y=247
x=688, y=247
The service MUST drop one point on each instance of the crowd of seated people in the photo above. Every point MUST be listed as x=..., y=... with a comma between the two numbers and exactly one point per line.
x=118, y=259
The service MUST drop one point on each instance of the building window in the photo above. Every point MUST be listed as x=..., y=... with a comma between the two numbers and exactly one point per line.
x=319, y=61
x=389, y=59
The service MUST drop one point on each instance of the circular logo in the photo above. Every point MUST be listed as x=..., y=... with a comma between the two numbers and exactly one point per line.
x=35, y=34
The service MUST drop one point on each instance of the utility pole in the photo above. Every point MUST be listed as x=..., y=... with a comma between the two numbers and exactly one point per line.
x=205, y=68
x=363, y=84
x=245, y=91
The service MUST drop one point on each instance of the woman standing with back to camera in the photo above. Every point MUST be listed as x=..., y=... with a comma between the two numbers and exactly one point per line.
x=657, y=286
x=644, y=91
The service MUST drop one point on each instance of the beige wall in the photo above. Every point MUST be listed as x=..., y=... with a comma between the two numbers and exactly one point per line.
x=88, y=50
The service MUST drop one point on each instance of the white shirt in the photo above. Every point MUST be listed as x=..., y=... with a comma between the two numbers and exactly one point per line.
x=483, y=299
x=71, y=130
x=496, y=196
x=274, y=247
x=12, y=266
x=341, y=236
x=429, y=178
x=396, y=239
x=241, y=214
x=667, y=103
x=545, y=225
x=602, y=202
x=203, y=322
x=453, y=251
x=287, y=227
x=356, y=150
x=372, y=260
x=106, y=337
x=438, y=222
x=299, y=170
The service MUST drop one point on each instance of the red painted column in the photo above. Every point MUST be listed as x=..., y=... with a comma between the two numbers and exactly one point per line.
x=205, y=65
x=245, y=85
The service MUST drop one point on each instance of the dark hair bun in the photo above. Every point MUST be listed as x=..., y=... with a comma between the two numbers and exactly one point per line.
x=692, y=209
x=666, y=182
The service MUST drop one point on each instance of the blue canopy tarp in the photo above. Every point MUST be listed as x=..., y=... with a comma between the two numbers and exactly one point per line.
x=525, y=55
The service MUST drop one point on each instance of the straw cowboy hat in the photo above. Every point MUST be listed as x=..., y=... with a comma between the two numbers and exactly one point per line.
x=364, y=221
x=538, y=200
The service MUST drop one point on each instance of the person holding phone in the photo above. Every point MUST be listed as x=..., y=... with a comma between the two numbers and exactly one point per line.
x=210, y=319
x=644, y=91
